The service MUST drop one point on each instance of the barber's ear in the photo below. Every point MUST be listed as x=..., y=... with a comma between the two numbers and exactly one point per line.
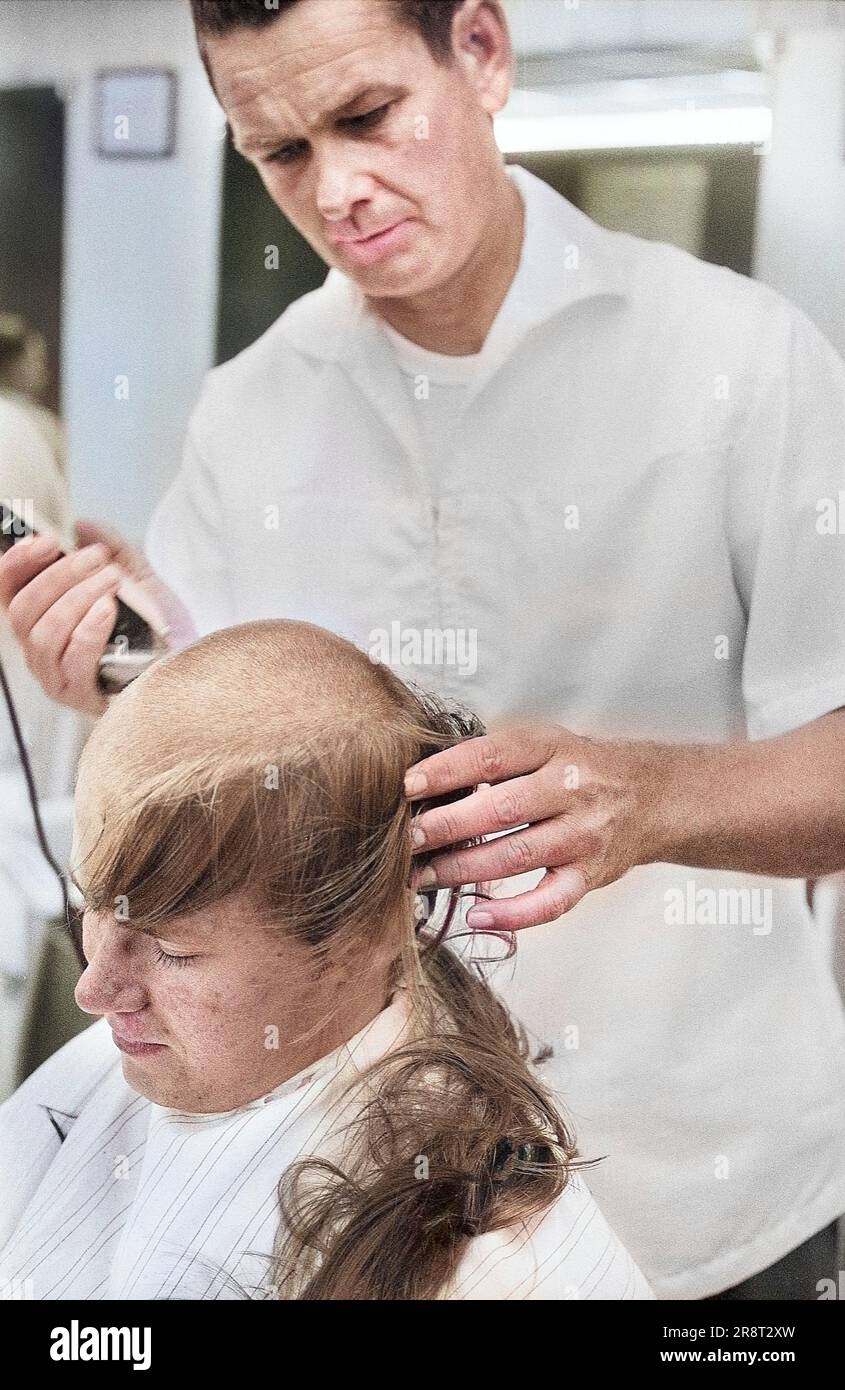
x=482, y=47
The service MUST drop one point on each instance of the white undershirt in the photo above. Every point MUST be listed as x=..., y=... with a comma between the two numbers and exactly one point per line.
x=437, y=384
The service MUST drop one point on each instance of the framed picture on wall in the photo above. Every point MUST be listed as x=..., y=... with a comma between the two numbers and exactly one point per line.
x=135, y=113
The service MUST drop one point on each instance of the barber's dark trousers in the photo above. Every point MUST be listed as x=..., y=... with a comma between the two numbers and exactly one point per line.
x=796, y=1277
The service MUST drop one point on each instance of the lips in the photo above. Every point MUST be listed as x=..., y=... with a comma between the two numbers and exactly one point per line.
x=356, y=240
x=137, y=1049
x=130, y=1036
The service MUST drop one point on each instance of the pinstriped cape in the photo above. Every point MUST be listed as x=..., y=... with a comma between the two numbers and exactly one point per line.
x=107, y=1195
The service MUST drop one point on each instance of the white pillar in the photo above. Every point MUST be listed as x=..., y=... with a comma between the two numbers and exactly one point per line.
x=800, y=237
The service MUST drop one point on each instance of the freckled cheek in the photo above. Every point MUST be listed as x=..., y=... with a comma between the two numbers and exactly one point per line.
x=273, y=997
x=192, y=1018
x=253, y=1000
x=226, y=1028
x=220, y=1009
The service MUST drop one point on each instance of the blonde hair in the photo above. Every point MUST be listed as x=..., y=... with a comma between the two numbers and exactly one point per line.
x=271, y=762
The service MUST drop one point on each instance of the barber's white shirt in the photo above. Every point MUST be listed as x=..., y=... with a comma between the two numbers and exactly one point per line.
x=109, y=1196
x=638, y=521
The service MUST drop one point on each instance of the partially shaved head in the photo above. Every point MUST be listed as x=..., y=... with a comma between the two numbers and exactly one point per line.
x=241, y=815
x=256, y=686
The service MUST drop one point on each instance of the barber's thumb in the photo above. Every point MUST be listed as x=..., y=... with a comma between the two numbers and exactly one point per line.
x=130, y=557
x=126, y=554
x=146, y=600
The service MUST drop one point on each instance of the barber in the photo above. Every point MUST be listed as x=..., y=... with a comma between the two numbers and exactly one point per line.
x=610, y=463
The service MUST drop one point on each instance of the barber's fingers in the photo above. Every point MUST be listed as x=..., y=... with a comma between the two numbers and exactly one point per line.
x=50, y=635
x=22, y=562
x=43, y=617
x=35, y=599
x=143, y=590
x=559, y=890
x=49, y=595
x=80, y=663
x=67, y=643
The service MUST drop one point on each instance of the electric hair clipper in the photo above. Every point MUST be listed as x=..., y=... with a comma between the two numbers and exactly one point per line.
x=132, y=645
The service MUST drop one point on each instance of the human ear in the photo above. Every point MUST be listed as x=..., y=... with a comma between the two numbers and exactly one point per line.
x=482, y=47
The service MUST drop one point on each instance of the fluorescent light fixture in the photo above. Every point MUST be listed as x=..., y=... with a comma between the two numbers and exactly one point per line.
x=625, y=130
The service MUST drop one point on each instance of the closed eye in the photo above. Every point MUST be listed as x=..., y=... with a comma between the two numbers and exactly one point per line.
x=287, y=154
x=369, y=117
x=367, y=121
x=165, y=958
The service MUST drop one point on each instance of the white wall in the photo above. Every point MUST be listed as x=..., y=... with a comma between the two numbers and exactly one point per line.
x=800, y=242
x=563, y=26
x=553, y=26
x=140, y=246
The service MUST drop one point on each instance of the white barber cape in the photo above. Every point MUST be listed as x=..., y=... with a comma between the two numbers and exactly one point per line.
x=109, y=1196
x=633, y=516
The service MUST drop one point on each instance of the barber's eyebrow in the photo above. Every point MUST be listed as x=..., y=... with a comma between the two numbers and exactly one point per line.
x=381, y=91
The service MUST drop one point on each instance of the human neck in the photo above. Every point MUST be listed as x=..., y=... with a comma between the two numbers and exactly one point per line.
x=455, y=318
x=338, y=1023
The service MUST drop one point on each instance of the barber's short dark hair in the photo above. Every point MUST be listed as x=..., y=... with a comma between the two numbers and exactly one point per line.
x=432, y=19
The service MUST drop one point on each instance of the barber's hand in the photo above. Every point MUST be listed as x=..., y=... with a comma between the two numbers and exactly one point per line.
x=63, y=610
x=586, y=806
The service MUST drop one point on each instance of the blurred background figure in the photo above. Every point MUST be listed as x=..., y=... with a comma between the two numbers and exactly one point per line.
x=24, y=379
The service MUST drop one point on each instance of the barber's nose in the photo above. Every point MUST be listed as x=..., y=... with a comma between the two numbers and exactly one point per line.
x=111, y=982
x=339, y=187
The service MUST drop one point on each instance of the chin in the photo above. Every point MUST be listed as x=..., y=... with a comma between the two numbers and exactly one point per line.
x=140, y=1078
x=396, y=282
x=142, y=1085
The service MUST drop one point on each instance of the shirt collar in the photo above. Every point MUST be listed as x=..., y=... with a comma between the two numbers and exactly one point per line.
x=566, y=258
